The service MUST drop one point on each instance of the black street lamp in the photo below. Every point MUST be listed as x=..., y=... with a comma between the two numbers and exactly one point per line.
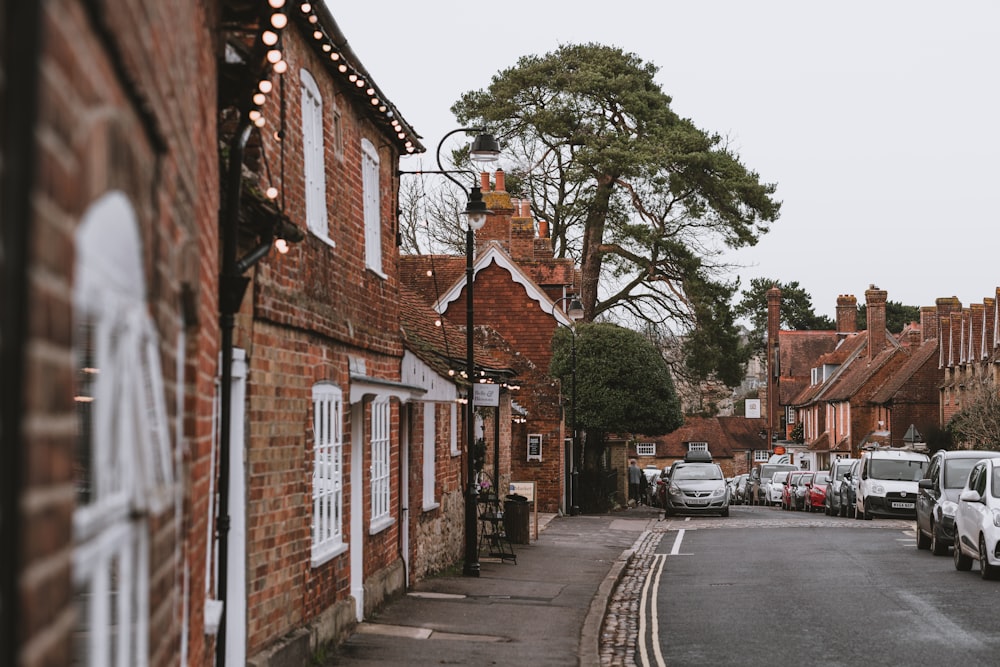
x=484, y=150
x=575, y=313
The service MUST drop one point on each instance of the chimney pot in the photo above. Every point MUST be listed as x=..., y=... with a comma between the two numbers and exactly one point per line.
x=501, y=185
x=484, y=181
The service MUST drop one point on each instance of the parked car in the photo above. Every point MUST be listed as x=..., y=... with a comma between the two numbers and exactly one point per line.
x=938, y=496
x=760, y=479
x=775, y=488
x=696, y=487
x=888, y=483
x=652, y=473
x=834, y=492
x=816, y=492
x=800, y=490
x=977, y=520
x=788, y=486
x=739, y=496
x=849, y=491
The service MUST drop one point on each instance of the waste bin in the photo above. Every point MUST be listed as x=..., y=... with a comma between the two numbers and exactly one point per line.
x=516, y=519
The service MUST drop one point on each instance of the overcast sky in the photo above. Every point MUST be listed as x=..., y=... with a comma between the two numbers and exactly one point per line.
x=879, y=120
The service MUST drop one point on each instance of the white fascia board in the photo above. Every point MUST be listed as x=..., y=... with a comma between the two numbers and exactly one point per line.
x=496, y=254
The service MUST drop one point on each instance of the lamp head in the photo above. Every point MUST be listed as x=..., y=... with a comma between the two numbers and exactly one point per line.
x=485, y=149
x=475, y=209
x=575, y=311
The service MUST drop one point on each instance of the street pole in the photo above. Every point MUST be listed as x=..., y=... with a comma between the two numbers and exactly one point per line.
x=472, y=566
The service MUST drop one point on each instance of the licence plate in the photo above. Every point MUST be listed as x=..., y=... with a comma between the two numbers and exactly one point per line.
x=697, y=501
x=902, y=506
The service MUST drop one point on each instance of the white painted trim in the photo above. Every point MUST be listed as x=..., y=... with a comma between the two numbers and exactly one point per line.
x=495, y=254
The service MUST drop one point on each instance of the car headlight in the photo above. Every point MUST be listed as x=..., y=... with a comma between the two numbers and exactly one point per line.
x=878, y=489
x=996, y=518
x=948, y=508
x=721, y=491
x=674, y=490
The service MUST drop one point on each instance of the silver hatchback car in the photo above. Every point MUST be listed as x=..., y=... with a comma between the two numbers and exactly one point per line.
x=697, y=488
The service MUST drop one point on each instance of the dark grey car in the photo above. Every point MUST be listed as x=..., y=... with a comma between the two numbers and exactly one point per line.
x=832, y=504
x=936, y=501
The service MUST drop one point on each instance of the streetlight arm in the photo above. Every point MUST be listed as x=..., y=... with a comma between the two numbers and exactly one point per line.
x=446, y=172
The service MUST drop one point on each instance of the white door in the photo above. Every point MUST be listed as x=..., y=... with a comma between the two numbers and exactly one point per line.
x=357, y=540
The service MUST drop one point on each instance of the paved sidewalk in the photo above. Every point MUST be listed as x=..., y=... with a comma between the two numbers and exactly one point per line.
x=546, y=609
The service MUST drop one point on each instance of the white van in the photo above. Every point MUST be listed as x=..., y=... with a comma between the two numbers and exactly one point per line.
x=888, y=483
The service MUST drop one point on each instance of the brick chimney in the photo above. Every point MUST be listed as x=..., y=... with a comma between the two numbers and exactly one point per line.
x=928, y=322
x=773, y=359
x=989, y=332
x=847, y=313
x=976, y=333
x=502, y=209
x=875, y=300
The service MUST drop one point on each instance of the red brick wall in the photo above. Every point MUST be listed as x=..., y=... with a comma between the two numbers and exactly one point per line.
x=110, y=118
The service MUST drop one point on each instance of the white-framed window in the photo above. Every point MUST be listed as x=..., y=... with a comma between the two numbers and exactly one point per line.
x=313, y=159
x=761, y=455
x=380, y=464
x=370, y=191
x=645, y=448
x=123, y=467
x=453, y=431
x=430, y=455
x=697, y=446
x=328, y=473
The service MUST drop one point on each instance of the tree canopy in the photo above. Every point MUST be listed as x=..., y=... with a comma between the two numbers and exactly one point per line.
x=641, y=197
x=897, y=316
x=796, y=310
x=622, y=383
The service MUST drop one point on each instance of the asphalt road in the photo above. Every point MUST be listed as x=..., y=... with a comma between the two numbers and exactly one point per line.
x=767, y=587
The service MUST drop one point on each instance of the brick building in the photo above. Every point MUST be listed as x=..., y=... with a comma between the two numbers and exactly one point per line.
x=520, y=292
x=109, y=340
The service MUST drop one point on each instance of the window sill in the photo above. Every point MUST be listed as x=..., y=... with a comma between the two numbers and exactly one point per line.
x=324, y=238
x=379, y=525
x=431, y=507
x=327, y=553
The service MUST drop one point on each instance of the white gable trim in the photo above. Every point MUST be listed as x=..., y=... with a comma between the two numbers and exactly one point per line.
x=418, y=374
x=494, y=253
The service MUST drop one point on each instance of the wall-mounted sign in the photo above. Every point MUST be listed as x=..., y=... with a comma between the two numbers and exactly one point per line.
x=534, y=446
x=486, y=395
x=753, y=408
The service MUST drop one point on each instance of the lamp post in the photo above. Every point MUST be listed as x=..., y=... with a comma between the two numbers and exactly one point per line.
x=575, y=313
x=484, y=150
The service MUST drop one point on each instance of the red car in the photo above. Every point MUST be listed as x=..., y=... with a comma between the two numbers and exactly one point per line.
x=816, y=492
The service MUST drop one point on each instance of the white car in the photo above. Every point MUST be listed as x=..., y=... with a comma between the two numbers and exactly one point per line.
x=977, y=520
x=888, y=483
x=774, y=487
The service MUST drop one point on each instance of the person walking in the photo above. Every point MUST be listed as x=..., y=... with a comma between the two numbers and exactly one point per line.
x=634, y=480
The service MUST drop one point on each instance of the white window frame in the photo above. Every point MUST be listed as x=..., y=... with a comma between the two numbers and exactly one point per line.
x=697, y=446
x=313, y=159
x=761, y=455
x=453, y=431
x=380, y=469
x=430, y=456
x=127, y=473
x=371, y=192
x=645, y=449
x=328, y=473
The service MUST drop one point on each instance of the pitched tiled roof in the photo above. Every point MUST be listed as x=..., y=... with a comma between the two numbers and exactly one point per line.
x=440, y=346
x=724, y=435
x=799, y=351
x=899, y=388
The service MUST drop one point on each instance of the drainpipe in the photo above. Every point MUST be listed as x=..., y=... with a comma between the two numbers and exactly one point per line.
x=232, y=285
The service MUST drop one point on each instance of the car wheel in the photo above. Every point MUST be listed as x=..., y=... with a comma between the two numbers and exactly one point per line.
x=938, y=548
x=858, y=514
x=842, y=511
x=724, y=512
x=923, y=542
x=867, y=515
x=963, y=563
x=986, y=571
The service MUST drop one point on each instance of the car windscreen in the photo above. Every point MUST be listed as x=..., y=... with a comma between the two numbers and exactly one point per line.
x=767, y=471
x=841, y=469
x=822, y=478
x=956, y=472
x=995, y=486
x=897, y=470
x=698, y=472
